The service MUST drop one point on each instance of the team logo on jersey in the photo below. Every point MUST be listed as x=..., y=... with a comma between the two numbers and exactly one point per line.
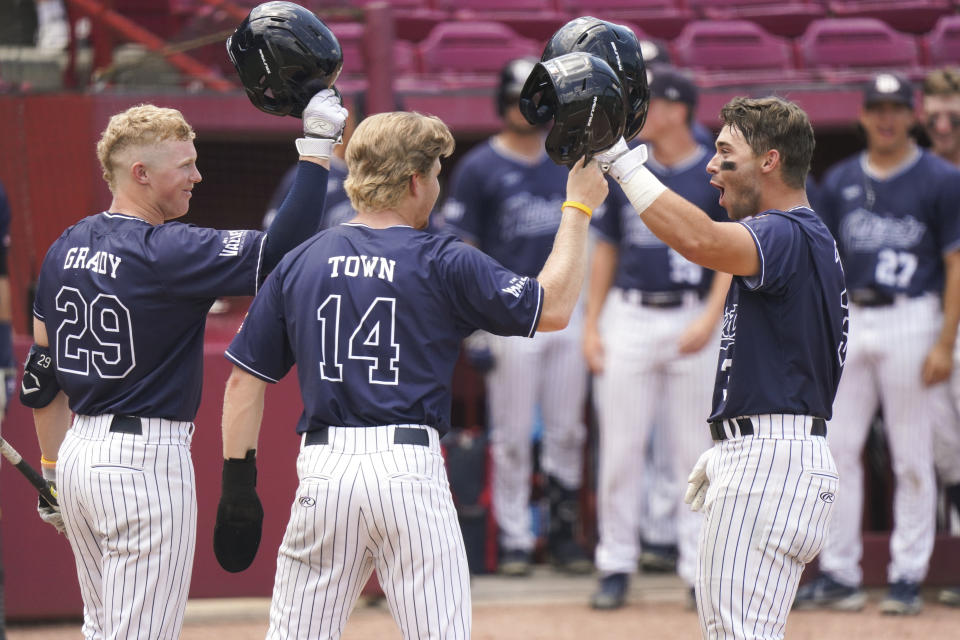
x=864, y=230
x=515, y=288
x=827, y=496
x=306, y=501
x=728, y=331
x=526, y=214
x=232, y=243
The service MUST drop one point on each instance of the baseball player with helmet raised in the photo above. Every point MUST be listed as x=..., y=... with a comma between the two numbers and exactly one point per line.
x=895, y=211
x=374, y=311
x=664, y=371
x=119, y=316
x=504, y=198
x=768, y=484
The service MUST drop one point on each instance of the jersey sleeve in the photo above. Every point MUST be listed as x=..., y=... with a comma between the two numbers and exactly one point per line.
x=948, y=212
x=485, y=295
x=262, y=347
x=776, y=240
x=463, y=209
x=201, y=262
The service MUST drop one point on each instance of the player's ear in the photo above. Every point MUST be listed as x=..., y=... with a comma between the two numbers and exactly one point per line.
x=138, y=171
x=771, y=161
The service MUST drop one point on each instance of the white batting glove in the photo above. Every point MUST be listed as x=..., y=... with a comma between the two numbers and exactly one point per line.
x=698, y=482
x=50, y=514
x=323, y=122
x=608, y=157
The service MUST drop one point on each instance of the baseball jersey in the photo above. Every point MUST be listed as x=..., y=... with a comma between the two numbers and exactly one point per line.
x=507, y=206
x=125, y=305
x=337, y=207
x=381, y=313
x=892, y=232
x=644, y=261
x=4, y=230
x=784, y=334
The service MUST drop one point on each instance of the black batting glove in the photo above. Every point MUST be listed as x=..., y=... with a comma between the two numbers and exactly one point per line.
x=236, y=536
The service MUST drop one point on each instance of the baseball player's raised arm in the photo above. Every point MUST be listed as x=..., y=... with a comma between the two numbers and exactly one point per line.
x=562, y=274
x=242, y=413
x=53, y=420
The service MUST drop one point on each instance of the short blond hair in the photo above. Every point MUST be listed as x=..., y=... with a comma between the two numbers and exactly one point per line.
x=142, y=125
x=386, y=150
x=942, y=82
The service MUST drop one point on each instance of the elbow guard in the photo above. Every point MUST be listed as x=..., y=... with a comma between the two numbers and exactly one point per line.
x=39, y=386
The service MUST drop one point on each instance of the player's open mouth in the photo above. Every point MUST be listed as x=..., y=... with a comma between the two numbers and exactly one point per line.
x=721, y=189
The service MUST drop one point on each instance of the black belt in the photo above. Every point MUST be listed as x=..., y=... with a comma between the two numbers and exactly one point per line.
x=661, y=299
x=871, y=298
x=744, y=427
x=401, y=435
x=126, y=424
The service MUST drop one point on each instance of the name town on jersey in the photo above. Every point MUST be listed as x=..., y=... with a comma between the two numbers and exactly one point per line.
x=366, y=266
x=102, y=262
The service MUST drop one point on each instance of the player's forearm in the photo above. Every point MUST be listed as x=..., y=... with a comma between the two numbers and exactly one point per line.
x=602, y=270
x=951, y=299
x=242, y=413
x=51, y=423
x=562, y=274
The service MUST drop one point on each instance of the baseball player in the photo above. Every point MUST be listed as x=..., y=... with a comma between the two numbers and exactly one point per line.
x=119, y=313
x=767, y=485
x=941, y=118
x=894, y=211
x=7, y=375
x=505, y=197
x=664, y=371
x=374, y=311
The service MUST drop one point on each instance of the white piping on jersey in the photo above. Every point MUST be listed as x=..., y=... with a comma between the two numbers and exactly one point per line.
x=232, y=358
x=125, y=216
x=902, y=168
x=752, y=281
x=536, y=315
x=366, y=226
x=507, y=154
x=256, y=283
x=678, y=167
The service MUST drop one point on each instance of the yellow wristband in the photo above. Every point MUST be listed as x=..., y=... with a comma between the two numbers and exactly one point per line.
x=47, y=462
x=578, y=205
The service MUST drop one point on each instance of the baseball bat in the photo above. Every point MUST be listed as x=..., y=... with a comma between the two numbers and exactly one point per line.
x=31, y=474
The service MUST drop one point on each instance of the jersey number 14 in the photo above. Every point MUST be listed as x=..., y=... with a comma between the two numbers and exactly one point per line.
x=373, y=340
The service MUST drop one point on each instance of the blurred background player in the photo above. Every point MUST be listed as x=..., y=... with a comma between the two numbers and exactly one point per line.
x=664, y=371
x=7, y=365
x=941, y=119
x=893, y=209
x=373, y=490
x=505, y=197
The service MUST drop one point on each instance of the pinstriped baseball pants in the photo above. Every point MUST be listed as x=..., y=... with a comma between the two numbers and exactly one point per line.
x=364, y=502
x=130, y=509
x=766, y=514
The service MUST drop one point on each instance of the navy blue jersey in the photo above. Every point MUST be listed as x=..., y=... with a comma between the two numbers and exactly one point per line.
x=4, y=230
x=508, y=207
x=337, y=207
x=125, y=302
x=893, y=232
x=374, y=319
x=784, y=334
x=644, y=261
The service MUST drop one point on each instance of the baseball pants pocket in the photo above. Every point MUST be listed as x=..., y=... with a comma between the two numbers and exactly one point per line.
x=114, y=468
x=797, y=521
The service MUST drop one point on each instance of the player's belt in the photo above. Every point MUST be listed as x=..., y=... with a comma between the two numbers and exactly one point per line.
x=871, y=298
x=739, y=427
x=126, y=424
x=659, y=299
x=401, y=435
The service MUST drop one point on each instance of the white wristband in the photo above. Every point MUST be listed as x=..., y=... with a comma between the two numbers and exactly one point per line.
x=315, y=147
x=641, y=188
x=623, y=167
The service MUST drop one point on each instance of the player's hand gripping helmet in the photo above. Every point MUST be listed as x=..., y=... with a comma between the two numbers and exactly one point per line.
x=284, y=55
x=583, y=96
x=616, y=44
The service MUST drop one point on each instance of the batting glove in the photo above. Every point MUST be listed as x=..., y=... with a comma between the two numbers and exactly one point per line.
x=625, y=165
x=236, y=535
x=50, y=513
x=698, y=482
x=323, y=122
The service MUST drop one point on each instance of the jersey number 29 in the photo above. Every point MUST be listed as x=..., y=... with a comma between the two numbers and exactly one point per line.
x=373, y=340
x=98, y=333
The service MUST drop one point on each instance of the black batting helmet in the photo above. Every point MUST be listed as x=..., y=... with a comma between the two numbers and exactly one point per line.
x=512, y=77
x=284, y=55
x=616, y=44
x=583, y=96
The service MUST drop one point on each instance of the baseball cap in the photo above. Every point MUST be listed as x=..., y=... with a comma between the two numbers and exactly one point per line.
x=670, y=84
x=888, y=87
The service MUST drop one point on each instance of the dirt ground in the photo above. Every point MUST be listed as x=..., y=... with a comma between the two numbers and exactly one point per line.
x=547, y=606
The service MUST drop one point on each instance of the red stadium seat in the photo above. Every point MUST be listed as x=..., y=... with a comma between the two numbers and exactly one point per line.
x=351, y=34
x=473, y=47
x=733, y=52
x=536, y=19
x=787, y=18
x=853, y=49
x=913, y=16
x=943, y=43
x=413, y=19
x=659, y=18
